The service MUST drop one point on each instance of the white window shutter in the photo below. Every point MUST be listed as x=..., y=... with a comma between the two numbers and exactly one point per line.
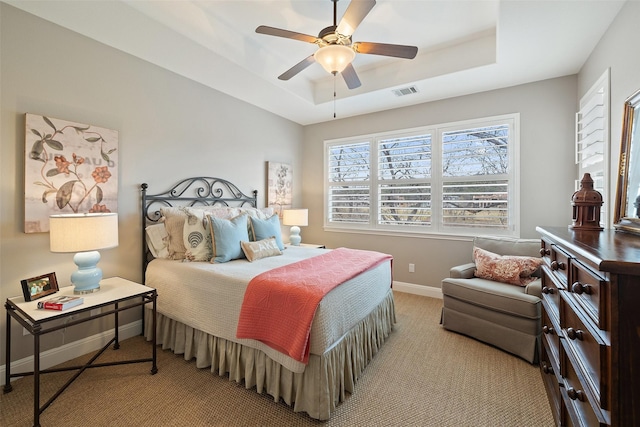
x=592, y=140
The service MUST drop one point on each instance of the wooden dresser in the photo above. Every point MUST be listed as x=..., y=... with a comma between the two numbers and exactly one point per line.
x=590, y=352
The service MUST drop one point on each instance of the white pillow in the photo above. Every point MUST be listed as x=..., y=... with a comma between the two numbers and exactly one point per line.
x=157, y=240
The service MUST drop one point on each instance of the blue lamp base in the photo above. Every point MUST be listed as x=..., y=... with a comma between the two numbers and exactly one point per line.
x=294, y=236
x=86, y=279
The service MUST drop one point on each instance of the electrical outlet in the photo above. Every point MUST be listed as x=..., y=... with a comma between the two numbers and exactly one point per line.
x=412, y=268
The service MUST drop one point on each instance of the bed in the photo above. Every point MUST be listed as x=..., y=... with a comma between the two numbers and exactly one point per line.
x=200, y=303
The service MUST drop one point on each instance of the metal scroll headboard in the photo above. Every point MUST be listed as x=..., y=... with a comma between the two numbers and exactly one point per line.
x=196, y=191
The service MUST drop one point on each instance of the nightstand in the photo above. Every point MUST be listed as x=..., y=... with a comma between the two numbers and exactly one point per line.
x=115, y=295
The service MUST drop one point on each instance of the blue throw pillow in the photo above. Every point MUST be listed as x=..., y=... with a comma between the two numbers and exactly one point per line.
x=265, y=228
x=226, y=235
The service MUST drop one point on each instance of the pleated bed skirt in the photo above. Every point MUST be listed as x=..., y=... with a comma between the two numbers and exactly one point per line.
x=317, y=391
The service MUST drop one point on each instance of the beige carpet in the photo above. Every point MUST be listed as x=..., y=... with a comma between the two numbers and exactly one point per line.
x=422, y=376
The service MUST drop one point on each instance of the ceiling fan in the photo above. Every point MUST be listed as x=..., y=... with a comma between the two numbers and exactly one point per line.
x=336, y=50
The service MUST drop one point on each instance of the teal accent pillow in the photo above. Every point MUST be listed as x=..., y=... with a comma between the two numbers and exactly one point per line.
x=226, y=235
x=265, y=228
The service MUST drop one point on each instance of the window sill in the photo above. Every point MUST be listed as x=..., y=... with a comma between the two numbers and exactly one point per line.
x=406, y=234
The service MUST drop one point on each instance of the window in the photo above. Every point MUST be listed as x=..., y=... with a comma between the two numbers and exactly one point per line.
x=404, y=184
x=456, y=178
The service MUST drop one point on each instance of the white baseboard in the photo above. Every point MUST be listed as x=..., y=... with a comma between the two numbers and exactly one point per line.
x=72, y=350
x=411, y=288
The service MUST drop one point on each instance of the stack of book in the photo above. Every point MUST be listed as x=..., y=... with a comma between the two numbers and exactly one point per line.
x=61, y=302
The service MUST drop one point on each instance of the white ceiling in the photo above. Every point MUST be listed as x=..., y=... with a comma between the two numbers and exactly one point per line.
x=465, y=46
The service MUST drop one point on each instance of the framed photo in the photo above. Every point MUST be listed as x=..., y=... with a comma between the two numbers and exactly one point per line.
x=38, y=287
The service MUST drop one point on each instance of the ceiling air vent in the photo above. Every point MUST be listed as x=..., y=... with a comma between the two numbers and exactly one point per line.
x=405, y=91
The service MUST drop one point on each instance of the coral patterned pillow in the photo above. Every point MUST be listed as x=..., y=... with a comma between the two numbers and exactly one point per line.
x=515, y=270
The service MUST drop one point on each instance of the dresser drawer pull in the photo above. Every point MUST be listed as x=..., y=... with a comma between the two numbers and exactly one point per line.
x=547, y=330
x=574, y=334
x=548, y=291
x=555, y=265
x=575, y=394
x=546, y=368
x=544, y=252
x=579, y=288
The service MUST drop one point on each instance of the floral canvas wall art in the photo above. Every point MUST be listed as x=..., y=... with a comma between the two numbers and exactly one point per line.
x=69, y=168
x=280, y=181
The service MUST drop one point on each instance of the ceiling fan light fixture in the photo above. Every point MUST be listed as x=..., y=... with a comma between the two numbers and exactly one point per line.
x=335, y=57
x=336, y=49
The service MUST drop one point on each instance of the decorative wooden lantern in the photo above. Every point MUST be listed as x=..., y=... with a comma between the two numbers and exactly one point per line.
x=586, y=204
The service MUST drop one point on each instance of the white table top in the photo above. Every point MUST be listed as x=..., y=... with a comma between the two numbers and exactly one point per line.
x=112, y=289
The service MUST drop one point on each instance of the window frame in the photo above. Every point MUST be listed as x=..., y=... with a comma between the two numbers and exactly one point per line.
x=436, y=180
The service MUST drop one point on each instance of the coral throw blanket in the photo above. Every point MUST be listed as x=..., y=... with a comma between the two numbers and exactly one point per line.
x=279, y=304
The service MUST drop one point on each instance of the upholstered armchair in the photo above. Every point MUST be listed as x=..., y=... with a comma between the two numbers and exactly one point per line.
x=502, y=307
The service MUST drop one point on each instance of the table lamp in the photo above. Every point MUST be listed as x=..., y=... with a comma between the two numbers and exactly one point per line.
x=296, y=218
x=84, y=234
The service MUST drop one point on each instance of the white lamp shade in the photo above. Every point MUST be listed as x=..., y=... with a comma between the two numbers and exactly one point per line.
x=299, y=217
x=335, y=57
x=83, y=232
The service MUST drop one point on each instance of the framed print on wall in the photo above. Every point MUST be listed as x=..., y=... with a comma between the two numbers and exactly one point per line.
x=69, y=168
x=279, y=186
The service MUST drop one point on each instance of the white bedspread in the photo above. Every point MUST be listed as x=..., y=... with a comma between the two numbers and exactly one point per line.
x=208, y=297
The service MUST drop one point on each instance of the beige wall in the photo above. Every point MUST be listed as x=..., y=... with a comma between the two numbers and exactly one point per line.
x=169, y=128
x=616, y=51
x=547, y=111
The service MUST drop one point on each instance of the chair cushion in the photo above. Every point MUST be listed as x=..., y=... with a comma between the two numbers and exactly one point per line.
x=494, y=296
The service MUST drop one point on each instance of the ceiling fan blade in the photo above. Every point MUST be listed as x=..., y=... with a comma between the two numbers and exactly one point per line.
x=350, y=77
x=396, y=50
x=297, y=68
x=353, y=16
x=271, y=31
